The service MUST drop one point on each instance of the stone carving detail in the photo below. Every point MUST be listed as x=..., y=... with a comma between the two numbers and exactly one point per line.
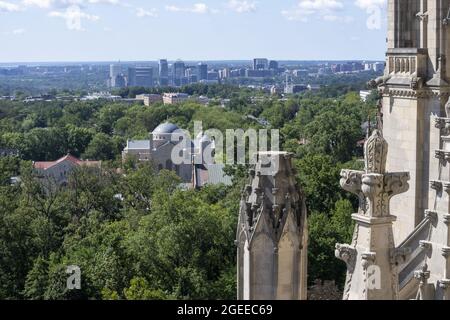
x=273, y=206
x=409, y=84
x=351, y=181
x=400, y=255
x=347, y=254
x=373, y=243
x=423, y=274
x=374, y=187
x=444, y=284
x=431, y=215
x=376, y=149
x=368, y=259
x=435, y=243
x=375, y=83
x=416, y=83
x=436, y=185
x=446, y=252
x=446, y=219
x=442, y=154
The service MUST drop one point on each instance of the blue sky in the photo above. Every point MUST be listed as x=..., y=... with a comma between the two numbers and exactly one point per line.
x=107, y=30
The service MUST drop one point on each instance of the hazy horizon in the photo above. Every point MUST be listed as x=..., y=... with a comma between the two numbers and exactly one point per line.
x=136, y=30
x=155, y=61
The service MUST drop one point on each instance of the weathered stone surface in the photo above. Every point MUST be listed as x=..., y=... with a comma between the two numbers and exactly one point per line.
x=272, y=234
x=416, y=125
x=372, y=258
x=416, y=90
x=431, y=264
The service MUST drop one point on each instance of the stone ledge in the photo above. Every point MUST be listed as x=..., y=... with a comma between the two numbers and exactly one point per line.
x=373, y=220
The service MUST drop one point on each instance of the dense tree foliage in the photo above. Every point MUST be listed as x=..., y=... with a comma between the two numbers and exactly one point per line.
x=136, y=234
x=155, y=241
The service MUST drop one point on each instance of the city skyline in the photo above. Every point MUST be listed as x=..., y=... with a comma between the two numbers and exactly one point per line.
x=112, y=30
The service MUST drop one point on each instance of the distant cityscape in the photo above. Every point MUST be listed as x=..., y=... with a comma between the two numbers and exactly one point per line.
x=106, y=80
x=179, y=73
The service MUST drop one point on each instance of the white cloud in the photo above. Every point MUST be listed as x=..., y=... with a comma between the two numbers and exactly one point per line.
x=38, y=3
x=365, y=4
x=336, y=18
x=242, y=6
x=73, y=17
x=313, y=6
x=294, y=14
x=113, y=2
x=305, y=8
x=46, y=4
x=8, y=7
x=18, y=31
x=15, y=32
x=141, y=13
x=199, y=8
x=72, y=11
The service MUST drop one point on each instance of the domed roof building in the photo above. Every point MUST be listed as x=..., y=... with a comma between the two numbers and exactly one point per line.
x=163, y=134
x=159, y=150
x=165, y=128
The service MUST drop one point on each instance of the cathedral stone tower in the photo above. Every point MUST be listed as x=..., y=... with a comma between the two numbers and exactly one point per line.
x=434, y=275
x=415, y=88
x=425, y=275
x=272, y=233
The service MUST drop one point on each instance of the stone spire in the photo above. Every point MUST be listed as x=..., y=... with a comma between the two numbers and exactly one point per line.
x=372, y=258
x=272, y=233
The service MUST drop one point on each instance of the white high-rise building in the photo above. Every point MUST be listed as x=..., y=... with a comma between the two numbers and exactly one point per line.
x=115, y=70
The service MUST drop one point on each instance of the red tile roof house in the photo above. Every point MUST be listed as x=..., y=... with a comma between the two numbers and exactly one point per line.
x=59, y=170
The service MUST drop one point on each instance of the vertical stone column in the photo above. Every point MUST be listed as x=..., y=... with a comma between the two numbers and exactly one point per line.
x=372, y=258
x=272, y=233
x=422, y=15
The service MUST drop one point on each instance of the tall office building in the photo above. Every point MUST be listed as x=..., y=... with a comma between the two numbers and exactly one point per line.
x=119, y=81
x=224, y=73
x=260, y=64
x=131, y=78
x=140, y=76
x=202, y=71
x=115, y=70
x=191, y=75
x=163, y=72
x=213, y=75
x=178, y=73
x=273, y=65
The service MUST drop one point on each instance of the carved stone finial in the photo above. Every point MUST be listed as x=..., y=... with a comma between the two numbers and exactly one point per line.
x=376, y=149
